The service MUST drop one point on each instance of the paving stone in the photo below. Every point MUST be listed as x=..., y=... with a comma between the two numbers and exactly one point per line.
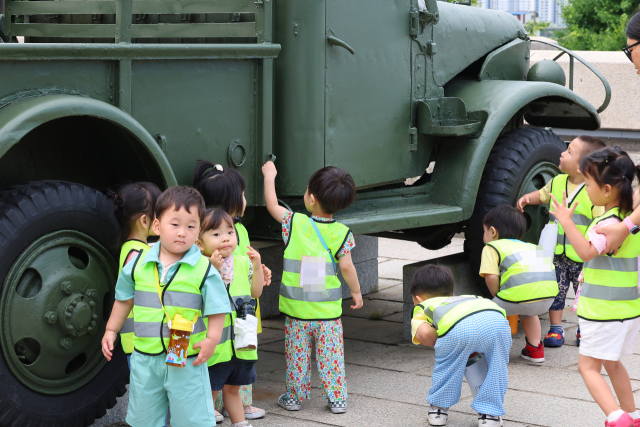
x=391, y=269
x=630, y=361
x=371, y=307
x=270, y=335
x=392, y=293
x=271, y=361
x=391, y=248
x=387, y=283
x=274, y=420
x=398, y=317
x=383, y=332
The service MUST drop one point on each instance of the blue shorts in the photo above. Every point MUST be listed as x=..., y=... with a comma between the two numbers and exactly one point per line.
x=233, y=372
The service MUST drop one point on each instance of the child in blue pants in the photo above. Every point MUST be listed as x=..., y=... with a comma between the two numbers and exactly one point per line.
x=457, y=327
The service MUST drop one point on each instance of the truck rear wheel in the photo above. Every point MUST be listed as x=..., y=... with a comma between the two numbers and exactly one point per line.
x=521, y=161
x=55, y=300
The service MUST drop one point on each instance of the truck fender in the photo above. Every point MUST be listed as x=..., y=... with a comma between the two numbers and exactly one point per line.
x=19, y=118
x=461, y=161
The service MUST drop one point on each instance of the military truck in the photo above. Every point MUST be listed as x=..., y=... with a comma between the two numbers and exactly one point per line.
x=423, y=102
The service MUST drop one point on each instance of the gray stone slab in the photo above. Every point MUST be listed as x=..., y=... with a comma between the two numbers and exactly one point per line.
x=272, y=360
x=391, y=269
x=274, y=322
x=270, y=335
x=275, y=420
x=387, y=283
x=371, y=308
x=630, y=361
x=398, y=317
x=391, y=293
x=381, y=332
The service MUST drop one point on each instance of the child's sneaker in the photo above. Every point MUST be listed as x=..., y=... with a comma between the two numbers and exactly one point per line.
x=485, y=420
x=578, y=336
x=437, y=416
x=289, y=403
x=554, y=338
x=250, y=412
x=625, y=420
x=338, y=407
x=219, y=417
x=533, y=354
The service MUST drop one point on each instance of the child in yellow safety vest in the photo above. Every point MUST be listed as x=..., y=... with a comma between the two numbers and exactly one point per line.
x=310, y=292
x=133, y=207
x=609, y=295
x=224, y=188
x=171, y=282
x=521, y=280
x=230, y=368
x=567, y=262
x=457, y=327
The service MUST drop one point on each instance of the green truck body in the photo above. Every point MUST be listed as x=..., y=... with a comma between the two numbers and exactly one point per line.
x=423, y=102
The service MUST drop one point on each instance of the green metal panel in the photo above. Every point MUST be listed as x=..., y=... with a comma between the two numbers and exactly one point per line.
x=509, y=62
x=460, y=161
x=368, y=95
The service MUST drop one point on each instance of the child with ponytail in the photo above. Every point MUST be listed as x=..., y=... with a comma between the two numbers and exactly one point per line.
x=224, y=188
x=608, y=298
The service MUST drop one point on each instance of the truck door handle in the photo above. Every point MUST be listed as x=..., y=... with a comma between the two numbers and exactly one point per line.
x=337, y=42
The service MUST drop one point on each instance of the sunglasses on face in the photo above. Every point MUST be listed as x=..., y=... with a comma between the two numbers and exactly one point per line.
x=627, y=50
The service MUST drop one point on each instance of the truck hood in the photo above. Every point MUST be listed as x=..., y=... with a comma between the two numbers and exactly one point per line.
x=465, y=34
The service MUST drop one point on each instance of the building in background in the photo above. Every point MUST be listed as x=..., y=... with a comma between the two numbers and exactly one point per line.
x=544, y=10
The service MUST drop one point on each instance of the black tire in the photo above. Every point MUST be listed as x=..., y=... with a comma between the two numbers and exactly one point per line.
x=28, y=212
x=514, y=154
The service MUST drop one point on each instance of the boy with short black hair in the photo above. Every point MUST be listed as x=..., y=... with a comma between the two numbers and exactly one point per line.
x=567, y=262
x=171, y=279
x=521, y=280
x=458, y=327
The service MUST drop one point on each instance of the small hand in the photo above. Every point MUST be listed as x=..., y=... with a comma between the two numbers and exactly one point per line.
x=522, y=202
x=357, y=300
x=254, y=256
x=107, y=343
x=269, y=171
x=266, y=272
x=216, y=259
x=560, y=210
x=207, y=346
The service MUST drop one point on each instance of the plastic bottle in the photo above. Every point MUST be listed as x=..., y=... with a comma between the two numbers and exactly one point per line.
x=476, y=372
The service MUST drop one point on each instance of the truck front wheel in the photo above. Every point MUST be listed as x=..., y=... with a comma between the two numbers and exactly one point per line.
x=56, y=296
x=521, y=161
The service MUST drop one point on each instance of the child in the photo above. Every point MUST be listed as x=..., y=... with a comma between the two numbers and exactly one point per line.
x=133, y=206
x=224, y=188
x=457, y=327
x=608, y=299
x=172, y=278
x=568, y=264
x=520, y=279
x=242, y=275
x=313, y=313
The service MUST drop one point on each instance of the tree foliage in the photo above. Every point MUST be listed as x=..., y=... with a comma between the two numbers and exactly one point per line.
x=596, y=24
x=532, y=27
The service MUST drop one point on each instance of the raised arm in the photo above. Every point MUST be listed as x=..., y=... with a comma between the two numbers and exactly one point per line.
x=271, y=199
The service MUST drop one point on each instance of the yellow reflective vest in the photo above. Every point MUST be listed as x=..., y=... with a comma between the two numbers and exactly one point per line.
x=445, y=312
x=239, y=293
x=582, y=216
x=525, y=274
x=126, y=333
x=303, y=241
x=180, y=295
x=610, y=288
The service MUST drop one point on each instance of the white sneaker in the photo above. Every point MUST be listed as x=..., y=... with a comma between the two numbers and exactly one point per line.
x=437, y=416
x=485, y=420
x=219, y=417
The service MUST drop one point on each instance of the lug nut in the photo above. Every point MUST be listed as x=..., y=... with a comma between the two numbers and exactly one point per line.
x=93, y=323
x=51, y=317
x=70, y=327
x=66, y=287
x=94, y=316
x=92, y=303
x=73, y=304
x=67, y=315
x=92, y=293
x=66, y=343
x=89, y=329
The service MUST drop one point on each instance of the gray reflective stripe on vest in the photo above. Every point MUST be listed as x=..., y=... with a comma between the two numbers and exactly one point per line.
x=578, y=219
x=200, y=327
x=509, y=261
x=152, y=329
x=297, y=293
x=226, y=335
x=439, y=312
x=560, y=239
x=625, y=265
x=171, y=298
x=609, y=293
x=293, y=266
x=128, y=326
x=242, y=298
x=527, y=278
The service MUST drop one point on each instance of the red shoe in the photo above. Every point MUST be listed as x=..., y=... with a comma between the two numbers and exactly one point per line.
x=533, y=354
x=625, y=420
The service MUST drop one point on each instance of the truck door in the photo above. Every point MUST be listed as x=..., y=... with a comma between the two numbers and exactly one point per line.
x=368, y=93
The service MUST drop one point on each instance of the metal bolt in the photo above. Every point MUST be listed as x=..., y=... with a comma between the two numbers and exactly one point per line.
x=89, y=329
x=66, y=343
x=73, y=304
x=94, y=316
x=70, y=327
x=93, y=323
x=51, y=317
x=70, y=309
x=92, y=293
x=67, y=315
x=66, y=287
x=92, y=303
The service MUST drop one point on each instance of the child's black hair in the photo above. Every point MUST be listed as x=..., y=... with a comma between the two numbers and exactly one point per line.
x=333, y=187
x=220, y=187
x=590, y=144
x=509, y=222
x=213, y=218
x=633, y=27
x=432, y=281
x=614, y=167
x=132, y=201
x=178, y=197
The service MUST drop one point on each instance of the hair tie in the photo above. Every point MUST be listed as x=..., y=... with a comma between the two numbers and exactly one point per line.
x=218, y=167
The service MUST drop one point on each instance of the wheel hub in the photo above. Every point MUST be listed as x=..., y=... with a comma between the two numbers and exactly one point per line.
x=77, y=315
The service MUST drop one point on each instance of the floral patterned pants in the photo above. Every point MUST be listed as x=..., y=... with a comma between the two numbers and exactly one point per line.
x=300, y=336
x=245, y=395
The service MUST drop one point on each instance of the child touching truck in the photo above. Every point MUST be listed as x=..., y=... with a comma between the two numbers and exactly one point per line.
x=567, y=262
x=313, y=303
x=458, y=327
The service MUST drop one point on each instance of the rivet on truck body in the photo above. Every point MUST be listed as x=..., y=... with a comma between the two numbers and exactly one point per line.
x=51, y=317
